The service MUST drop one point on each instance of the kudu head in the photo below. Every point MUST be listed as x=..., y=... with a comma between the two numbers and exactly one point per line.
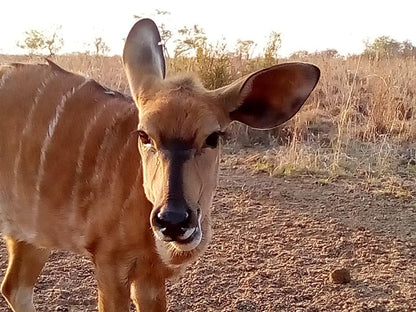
x=180, y=123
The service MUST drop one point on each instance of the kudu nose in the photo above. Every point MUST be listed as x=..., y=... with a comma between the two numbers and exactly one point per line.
x=173, y=223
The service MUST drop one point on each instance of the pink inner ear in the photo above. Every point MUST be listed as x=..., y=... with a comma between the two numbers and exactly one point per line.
x=272, y=96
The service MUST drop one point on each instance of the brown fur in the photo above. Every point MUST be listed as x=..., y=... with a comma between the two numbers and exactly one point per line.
x=98, y=210
x=88, y=195
x=90, y=171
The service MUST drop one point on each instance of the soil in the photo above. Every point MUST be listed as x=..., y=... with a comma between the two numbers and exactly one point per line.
x=276, y=241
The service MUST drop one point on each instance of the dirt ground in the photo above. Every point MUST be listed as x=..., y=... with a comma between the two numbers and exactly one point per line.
x=276, y=240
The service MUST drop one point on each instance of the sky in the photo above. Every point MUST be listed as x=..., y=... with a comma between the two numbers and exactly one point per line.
x=304, y=25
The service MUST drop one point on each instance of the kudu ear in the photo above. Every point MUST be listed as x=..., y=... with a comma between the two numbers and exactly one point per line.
x=143, y=58
x=269, y=97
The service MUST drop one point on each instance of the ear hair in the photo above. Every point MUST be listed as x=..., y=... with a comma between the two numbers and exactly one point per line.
x=269, y=97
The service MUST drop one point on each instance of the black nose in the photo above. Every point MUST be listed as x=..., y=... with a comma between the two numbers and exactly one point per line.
x=173, y=223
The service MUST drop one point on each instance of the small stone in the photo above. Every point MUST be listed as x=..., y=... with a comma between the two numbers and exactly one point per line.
x=340, y=276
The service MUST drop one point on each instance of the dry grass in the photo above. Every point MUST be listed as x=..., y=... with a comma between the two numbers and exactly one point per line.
x=276, y=239
x=361, y=118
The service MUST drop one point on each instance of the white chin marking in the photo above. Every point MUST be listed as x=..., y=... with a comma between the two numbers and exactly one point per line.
x=191, y=245
x=188, y=233
x=195, y=231
x=194, y=243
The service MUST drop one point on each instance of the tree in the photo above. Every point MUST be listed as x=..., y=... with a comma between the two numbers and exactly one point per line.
x=329, y=53
x=382, y=47
x=407, y=49
x=245, y=48
x=37, y=41
x=54, y=43
x=192, y=39
x=100, y=46
x=34, y=41
x=386, y=47
x=299, y=54
x=273, y=45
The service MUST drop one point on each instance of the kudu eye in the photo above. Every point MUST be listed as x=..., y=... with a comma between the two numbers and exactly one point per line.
x=144, y=138
x=212, y=140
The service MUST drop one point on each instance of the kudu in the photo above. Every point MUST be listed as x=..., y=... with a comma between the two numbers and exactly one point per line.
x=126, y=182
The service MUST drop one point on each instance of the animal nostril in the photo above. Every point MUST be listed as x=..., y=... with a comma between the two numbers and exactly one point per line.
x=172, y=218
x=187, y=215
x=160, y=220
x=187, y=219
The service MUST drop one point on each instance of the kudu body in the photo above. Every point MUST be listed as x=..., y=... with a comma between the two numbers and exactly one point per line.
x=126, y=182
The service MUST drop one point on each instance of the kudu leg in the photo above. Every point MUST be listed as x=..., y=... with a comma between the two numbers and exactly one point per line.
x=113, y=285
x=148, y=293
x=25, y=264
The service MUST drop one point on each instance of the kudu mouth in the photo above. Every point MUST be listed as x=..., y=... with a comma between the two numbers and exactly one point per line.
x=178, y=225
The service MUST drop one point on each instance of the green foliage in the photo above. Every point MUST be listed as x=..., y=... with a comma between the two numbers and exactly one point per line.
x=386, y=47
x=54, y=43
x=36, y=42
x=272, y=47
x=191, y=40
x=213, y=66
x=212, y=63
